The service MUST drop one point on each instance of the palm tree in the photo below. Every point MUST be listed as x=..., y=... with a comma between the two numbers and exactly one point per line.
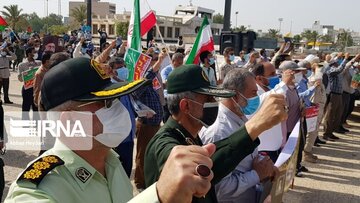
x=13, y=15
x=79, y=13
x=273, y=33
x=311, y=36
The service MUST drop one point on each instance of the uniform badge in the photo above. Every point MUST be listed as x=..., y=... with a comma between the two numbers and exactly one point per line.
x=38, y=170
x=102, y=70
x=83, y=174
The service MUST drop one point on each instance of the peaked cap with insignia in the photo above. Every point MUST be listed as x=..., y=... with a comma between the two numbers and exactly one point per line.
x=82, y=79
x=191, y=77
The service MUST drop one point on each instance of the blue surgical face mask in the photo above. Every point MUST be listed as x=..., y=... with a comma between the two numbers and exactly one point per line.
x=232, y=57
x=273, y=81
x=308, y=73
x=83, y=50
x=123, y=73
x=211, y=61
x=252, y=105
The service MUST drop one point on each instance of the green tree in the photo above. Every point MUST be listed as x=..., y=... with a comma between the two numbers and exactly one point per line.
x=311, y=36
x=35, y=22
x=58, y=29
x=273, y=33
x=344, y=39
x=297, y=39
x=51, y=20
x=79, y=14
x=326, y=38
x=218, y=18
x=13, y=15
x=122, y=29
x=242, y=28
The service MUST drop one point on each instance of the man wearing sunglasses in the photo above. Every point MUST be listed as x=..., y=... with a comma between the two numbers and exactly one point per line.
x=192, y=105
x=65, y=173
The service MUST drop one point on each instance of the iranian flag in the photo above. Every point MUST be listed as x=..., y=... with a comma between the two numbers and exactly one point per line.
x=204, y=42
x=3, y=24
x=141, y=22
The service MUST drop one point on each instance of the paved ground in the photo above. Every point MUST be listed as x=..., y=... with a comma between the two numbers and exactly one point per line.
x=335, y=179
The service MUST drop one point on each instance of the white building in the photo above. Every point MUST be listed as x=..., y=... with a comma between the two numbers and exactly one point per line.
x=186, y=22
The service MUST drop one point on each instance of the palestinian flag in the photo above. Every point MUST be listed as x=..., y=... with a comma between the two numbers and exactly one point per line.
x=204, y=42
x=3, y=24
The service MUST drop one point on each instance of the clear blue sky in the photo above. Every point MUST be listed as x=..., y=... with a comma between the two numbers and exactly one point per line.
x=260, y=14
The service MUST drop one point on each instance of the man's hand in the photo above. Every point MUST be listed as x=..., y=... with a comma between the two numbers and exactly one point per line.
x=317, y=83
x=113, y=44
x=347, y=55
x=271, y=113
x=178, y=181
x=263, y=167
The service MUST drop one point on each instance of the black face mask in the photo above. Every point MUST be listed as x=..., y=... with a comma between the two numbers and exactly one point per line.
x=210, y=112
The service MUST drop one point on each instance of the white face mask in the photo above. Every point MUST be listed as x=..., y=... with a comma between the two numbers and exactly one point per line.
x=35, y=56
x=258, y=60
x=298, y=77
x=3, y=53
x=116, y=124
x=37, y=48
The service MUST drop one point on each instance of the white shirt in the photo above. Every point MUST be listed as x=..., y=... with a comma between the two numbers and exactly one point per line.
x=238, y=186
x=272, y=139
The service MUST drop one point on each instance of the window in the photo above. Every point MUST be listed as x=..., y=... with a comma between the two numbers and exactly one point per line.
x=169, y=32
x=111, y=29
x=95, y=28
x=177, y=32
x=162, y=30
x=103, y=27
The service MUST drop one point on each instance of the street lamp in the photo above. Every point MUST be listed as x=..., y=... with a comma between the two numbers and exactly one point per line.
x=236, y=13
x=280, y=21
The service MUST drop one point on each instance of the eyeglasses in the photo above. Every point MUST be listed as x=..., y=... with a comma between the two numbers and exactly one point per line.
x=107, y=103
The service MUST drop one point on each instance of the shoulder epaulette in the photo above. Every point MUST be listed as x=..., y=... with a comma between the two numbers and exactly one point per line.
x=38, y=170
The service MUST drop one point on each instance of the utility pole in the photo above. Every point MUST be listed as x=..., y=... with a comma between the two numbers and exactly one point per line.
x=236, y=13
x=89, y=9
x=280, y=21
x=227, y=15
x=59, y=7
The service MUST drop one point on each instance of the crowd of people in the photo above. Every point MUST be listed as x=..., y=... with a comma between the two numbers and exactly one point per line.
x=205, y=139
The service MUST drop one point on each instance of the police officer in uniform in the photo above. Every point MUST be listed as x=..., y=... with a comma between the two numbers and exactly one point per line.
x=192, y=105
x=64, y=174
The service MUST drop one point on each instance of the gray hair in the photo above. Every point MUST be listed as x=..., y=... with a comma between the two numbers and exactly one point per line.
x=177, y=56
x=236, y=79
x=173, y=100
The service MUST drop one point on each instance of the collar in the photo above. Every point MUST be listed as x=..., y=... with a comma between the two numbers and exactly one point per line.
x=226, y=113
x=80, y=169
x=173, y=124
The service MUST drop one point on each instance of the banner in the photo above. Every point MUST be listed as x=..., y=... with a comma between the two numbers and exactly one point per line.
x=29, y=77
x=311, y=118
x=137, y=64
x=286, y=163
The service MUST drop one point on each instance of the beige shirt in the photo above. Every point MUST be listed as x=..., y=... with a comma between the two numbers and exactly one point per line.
x=4, y=65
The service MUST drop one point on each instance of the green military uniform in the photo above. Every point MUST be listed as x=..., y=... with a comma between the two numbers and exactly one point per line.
x=229, y=153
x=62, y=176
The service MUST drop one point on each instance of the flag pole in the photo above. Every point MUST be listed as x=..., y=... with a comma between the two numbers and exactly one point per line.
x=14, y=34
x=158, y=30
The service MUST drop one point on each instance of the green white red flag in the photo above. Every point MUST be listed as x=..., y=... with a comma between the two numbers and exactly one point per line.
x=141, y=22
x=204, y=42
x=3, y=24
